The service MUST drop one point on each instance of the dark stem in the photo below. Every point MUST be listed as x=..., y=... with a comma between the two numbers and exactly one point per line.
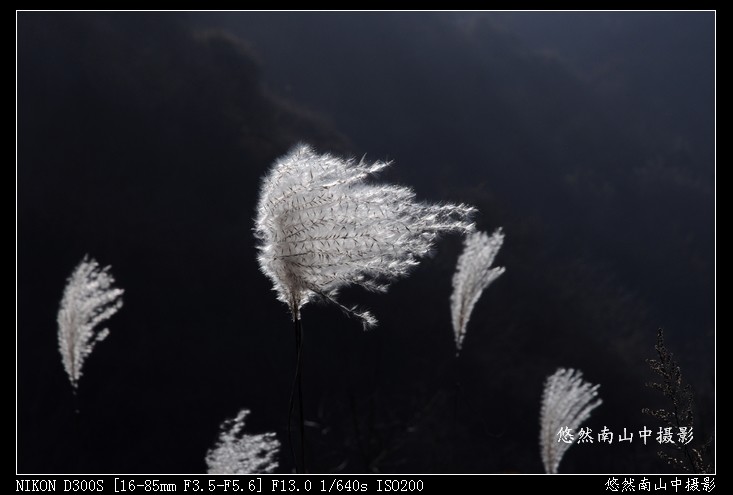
x=456, y=393
x=469, y=407
x=76, y=400
x=81, y=434
x=297, y=383
x=363, y=449
x=299, y=339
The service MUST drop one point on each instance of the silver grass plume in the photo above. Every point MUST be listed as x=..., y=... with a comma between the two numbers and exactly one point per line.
x=236, y=452
x=474, y=273
x=567, y=401
x=89, y=299
x=322, y=227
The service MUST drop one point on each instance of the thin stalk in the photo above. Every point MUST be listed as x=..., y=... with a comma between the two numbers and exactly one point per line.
x=76, y=400
x=297, y=383
x=456, y=393
x=299, y=337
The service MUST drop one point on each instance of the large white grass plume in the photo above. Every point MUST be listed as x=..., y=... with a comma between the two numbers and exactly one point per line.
x=89, y=299
x=567, y=401
x=322, y=226
x=474, y=273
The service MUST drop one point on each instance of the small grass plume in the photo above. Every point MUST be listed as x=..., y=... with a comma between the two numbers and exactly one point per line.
x=89, y=299
x=567, y=401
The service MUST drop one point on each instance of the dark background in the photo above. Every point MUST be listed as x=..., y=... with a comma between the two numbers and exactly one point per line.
x=142, y=138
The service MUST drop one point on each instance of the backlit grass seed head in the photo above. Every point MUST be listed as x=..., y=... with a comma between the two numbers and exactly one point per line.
x=89, y=299
x=322, y=226
x=474, y=273
x=567, y=401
